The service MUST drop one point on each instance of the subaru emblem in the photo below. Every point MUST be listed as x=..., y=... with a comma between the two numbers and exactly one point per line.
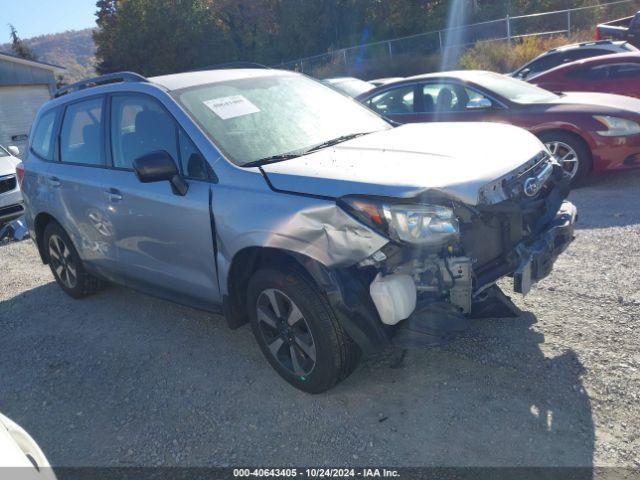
x=531, y=187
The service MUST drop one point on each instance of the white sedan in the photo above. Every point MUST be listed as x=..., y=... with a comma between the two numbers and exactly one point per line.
x=20, y=454
x=11, y=205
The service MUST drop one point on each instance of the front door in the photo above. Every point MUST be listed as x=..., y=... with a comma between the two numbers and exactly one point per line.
x=163, y=240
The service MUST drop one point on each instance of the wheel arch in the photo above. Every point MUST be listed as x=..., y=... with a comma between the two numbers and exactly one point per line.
x=346, y=291
x=40, y=222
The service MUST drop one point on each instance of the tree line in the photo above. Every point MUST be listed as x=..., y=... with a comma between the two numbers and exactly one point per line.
x=163, y=36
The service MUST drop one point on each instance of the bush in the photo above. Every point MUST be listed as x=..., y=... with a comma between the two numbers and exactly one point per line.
x=401, y=65
x=500, y=56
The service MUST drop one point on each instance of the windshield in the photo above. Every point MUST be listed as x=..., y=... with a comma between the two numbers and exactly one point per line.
x=515, y=90
x=352, y=87
x=253, y=119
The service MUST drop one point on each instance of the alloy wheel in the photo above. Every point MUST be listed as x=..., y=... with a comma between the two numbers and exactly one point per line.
x=62, y=262
x=566, y=156
x=286, y=332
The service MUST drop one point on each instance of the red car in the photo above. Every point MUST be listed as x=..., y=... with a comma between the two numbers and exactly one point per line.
x=618, y=73
x=588, y=132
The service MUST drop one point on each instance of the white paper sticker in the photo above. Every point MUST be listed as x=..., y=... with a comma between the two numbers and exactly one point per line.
x=231, y=107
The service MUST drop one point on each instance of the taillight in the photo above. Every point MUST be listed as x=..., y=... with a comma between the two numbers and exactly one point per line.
x=597, y=35
x=20, y=173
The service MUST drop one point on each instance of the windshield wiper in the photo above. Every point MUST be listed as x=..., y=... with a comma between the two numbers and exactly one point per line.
x=334, y=141
x=272, y=159
x=298, y=153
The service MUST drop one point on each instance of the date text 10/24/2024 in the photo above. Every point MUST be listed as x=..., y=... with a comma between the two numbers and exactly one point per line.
x=315, y=473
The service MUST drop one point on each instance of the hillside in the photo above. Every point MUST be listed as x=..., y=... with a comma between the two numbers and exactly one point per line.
x=73, y=50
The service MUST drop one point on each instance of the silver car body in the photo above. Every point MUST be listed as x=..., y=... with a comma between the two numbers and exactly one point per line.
x=186, y=248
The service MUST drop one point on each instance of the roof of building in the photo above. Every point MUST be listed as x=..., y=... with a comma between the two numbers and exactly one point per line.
x=32, y=63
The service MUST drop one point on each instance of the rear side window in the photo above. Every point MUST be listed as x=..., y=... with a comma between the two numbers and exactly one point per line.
x=42, y=137
x=81, y=133
x=139, y=125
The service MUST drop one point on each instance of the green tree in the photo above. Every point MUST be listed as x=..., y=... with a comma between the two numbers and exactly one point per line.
x=18, y=46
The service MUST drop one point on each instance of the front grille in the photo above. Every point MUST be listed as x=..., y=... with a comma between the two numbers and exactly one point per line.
x=7, y=183
x=511, y=185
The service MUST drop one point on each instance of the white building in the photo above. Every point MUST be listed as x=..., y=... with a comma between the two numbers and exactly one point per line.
x=24, y=86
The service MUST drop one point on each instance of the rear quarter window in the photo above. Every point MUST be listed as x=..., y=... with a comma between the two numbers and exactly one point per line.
x=42, y=136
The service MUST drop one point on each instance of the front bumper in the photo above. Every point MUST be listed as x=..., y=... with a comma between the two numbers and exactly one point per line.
x=616, y=153
x=537, y=257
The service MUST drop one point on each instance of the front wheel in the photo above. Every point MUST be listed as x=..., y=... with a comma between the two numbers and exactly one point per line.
x=298, y=332
x=66, y=265
x=572, y=153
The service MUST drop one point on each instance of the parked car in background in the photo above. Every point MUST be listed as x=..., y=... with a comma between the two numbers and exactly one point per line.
x=618, y=73
x=20, y=455
x=571, y=53
x=383, y=81
x=349, y=85
x=11, y=206
x=627, y=28
x=266, y=196
x=588, y=132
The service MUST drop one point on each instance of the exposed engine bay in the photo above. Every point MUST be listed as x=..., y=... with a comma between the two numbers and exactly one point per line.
x=518, y=229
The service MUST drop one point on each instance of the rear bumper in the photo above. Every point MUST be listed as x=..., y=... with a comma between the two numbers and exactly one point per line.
x=616, y=153
x=537, y=257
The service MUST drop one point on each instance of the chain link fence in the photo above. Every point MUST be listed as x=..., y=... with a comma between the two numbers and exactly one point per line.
x=560, y=22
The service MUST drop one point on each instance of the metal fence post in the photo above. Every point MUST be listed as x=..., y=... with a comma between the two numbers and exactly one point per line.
x=568, y=22
x=390, y=50
x=344, y=56
x=440, y=38
x=508, y=18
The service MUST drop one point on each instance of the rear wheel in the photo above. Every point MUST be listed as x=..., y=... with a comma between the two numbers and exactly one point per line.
x=572, y=153
x=298, y=332
x=66, y=265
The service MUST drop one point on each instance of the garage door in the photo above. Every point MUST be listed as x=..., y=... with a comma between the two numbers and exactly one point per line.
x=18, y=107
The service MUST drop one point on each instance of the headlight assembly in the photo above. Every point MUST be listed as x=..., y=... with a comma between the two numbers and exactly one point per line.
x=617, y=127
x=414, y=223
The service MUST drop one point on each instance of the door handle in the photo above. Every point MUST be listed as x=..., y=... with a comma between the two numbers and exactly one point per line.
x=53, y=181
x=114, y=195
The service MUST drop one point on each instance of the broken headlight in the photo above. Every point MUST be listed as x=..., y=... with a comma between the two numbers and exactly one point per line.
x=414, y=223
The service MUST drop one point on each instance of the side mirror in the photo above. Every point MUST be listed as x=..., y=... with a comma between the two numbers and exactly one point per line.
x=524, y=73
x=479, y=104
x=159, y=167
x=13, y=150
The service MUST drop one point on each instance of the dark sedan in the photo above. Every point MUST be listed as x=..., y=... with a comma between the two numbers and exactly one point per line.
x=588, y=132
x=618, y=73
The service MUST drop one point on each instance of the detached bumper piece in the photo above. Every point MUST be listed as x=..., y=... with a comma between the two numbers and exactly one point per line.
x=537, y=258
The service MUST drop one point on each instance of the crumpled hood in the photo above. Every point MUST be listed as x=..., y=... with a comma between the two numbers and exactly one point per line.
x=455, y=159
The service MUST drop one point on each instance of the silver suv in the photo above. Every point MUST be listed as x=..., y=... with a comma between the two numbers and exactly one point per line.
x=272, y=199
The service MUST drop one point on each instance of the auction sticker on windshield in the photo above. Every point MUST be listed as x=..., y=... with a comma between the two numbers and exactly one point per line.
x=231, y=107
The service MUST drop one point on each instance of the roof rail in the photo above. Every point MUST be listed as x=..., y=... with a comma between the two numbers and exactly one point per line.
x=101, y=80
x=239, y=64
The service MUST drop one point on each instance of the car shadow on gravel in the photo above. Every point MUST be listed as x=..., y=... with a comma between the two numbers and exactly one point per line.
x=124, y=379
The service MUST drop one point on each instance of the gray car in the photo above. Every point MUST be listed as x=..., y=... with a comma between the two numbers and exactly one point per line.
x=272, y=199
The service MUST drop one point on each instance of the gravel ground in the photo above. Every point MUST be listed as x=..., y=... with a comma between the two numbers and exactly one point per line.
x=123, y=379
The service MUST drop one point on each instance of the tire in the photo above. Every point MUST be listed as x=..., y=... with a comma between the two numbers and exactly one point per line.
x=565, y=141
x=70, y=273
x=313, y=323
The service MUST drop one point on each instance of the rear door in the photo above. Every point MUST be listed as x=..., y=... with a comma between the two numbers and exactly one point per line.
x=75, y=181
x=163, y=241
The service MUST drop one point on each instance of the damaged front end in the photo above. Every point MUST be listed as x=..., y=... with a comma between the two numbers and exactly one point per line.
x=444, y=258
